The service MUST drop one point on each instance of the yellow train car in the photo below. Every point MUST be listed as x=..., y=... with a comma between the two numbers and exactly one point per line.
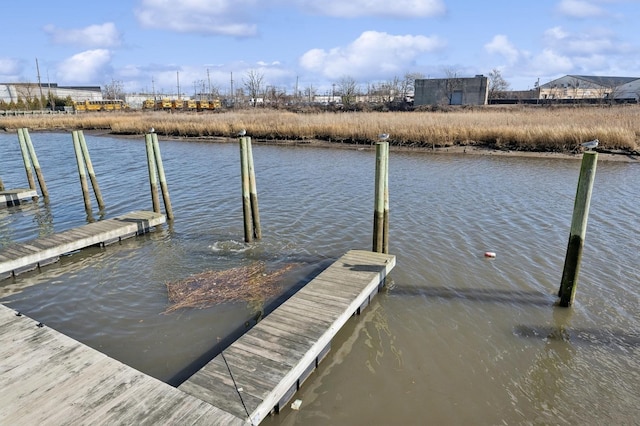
x=202, y=105
x=164, y=104
x=103, y=105
x=149, y=104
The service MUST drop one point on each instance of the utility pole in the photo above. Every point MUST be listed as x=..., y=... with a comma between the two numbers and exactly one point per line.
x=233, y=97
x=178, y=80
x=39, y=83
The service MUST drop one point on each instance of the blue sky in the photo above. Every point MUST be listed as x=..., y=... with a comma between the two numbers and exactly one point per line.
x=158, y=44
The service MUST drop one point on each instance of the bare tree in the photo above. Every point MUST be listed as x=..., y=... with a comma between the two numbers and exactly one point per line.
x=348, y=88
x=408, y=85
x=310, y=93
x=113, y=90
x=498, y=86
x=453, y=84
x=253, y=83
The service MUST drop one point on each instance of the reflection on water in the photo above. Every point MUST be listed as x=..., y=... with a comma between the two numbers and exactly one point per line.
x=455, y=338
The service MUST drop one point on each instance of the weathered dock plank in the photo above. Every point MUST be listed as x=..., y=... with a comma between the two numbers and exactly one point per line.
x=270, y=361
x=47, y=378
x=20, y=257
x=14, y=197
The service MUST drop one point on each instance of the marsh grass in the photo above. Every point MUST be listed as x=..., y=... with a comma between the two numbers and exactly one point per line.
x=552, y=129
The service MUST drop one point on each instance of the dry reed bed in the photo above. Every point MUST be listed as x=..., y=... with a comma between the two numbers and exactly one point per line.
x=517, y=128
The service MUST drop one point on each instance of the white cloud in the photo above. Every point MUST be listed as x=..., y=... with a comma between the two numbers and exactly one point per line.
x=552, y=63
x=580, y=9
x=104, y=35
x=385, y=8
x=501, y=45
x=9, y=67
x=596, y=41
x=372, y=55
x=222, y=17
x=85, y=67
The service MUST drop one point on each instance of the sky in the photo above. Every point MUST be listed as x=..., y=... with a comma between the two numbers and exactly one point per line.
x=158, y=46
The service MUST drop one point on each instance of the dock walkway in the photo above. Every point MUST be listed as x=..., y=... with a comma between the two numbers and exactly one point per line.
x=21, y=257
x=261, y=371
x=47, y=378
x=14, y=197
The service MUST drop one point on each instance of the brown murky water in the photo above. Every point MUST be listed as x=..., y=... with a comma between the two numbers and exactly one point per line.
x=454, y=339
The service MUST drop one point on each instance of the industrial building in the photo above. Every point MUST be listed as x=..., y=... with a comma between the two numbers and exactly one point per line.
x=452, y=91
x=591, y=87
x=14, y=92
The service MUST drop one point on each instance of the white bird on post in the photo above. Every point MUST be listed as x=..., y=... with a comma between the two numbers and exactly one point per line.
x=152, y=130
x=242, y=132
x=383, y=136
x=590, y=145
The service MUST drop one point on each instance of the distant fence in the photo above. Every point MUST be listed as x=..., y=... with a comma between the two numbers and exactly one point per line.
x=591, y=101
x=10, y=112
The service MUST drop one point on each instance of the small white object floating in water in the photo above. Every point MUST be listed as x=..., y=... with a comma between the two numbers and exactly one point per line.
x=295, y=405
x=490, y=254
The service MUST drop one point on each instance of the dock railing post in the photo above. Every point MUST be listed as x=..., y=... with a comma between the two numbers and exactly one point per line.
x=380, y=227
x=36, y=164
x=253, y=193
x=26, y=159
x=163, y=181
x=92, y=174
x=573, y=257
x=153, y=178
x=246, y=200
x=81, y=172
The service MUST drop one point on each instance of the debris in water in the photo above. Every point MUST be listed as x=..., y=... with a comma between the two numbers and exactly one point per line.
x=295, y=405
x=245, y=283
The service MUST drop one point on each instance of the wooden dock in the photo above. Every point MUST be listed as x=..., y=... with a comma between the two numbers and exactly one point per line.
x=47, y=378
x=261, y=371
x=14, y=197
x=21, y=257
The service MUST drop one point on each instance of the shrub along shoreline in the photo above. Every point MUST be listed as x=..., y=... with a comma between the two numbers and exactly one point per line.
x=513, y=130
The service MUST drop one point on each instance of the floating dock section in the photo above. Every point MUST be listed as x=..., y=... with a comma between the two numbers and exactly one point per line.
x=14, y=197
x=21, y=257
x=47, y=378
x=261, y=371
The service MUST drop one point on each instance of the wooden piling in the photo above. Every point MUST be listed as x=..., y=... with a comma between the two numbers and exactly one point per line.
x=253, y=193
x=246, y=189
x=380, y=227
x=1, y=185
x=573, y=257
x=163, y=181
x=81, y=171
x=385, y=215
x=153, y=178
x=26, y=159
x=36, y=164
x=92, y=174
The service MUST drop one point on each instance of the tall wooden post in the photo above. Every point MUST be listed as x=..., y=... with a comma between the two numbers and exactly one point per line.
x=573, y=257
x=92, y=174
x=253, y=193
x=163, y=181
x=26, y=159
x=81, y=171
x=381, y=177
x=153, y=178
x=36, y=164
x=246, y=201
x=385, y=216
